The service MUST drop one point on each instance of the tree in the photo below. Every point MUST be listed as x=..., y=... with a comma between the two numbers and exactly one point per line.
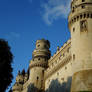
x=10, y=90
x=6, y=59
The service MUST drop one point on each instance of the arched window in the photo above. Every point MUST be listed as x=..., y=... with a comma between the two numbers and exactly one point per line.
x=42, y=71
x=84, y=15
x=37, y=77
x=80, y=16
x=73, y=56
x=77, y=17
x=88, y=15
x=74, y=29
x=38, y=58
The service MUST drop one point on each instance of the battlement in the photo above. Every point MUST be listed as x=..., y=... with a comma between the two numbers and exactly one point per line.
x=38, y=64
x=80, y=9
x=74, y=3
x=60, y=50
x=58, y=60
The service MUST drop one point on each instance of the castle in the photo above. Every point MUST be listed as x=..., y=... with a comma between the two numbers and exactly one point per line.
x=71, y=64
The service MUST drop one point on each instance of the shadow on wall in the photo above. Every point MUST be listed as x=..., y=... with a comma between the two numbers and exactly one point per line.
x=55, y=86
x=32, y=88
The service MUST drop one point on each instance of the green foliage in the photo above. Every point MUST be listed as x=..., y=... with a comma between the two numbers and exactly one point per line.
x=6, y=58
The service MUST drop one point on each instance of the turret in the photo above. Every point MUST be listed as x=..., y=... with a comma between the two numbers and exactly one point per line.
x=21, y=78
x=80, y=25
x=18, y=86
x=39, y=63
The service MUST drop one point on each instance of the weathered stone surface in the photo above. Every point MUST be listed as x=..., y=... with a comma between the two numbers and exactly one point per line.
x=82, y=81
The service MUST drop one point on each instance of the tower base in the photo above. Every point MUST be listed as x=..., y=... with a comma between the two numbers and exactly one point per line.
x=82, y=81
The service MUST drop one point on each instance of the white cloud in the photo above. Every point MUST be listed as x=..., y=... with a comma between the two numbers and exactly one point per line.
x=55, y=9
x=12, y=35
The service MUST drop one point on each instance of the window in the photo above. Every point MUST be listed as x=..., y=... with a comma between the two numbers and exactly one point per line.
x=87, y=15
x=37, y=77
x=83, y=26
x=82, y=6
x=73, y=29
x=38, y=46
x=74, y=19
x=73, y=56
x=83, y=0
x=42, y=71
x=38, y=58
x=77, y=17
x=84, y=15
x=80, y=16
x=73, y=9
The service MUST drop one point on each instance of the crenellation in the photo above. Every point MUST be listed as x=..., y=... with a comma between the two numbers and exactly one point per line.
x=60, y=64
x=61, y=50
x=81, y=16
x=80, y=10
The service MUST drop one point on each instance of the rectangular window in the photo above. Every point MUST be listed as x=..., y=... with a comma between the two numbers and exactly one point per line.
x=83, y=26
x=83, y=7
x=83, y=0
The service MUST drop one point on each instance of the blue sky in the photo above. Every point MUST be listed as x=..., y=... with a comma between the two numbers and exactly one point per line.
x=22, y=22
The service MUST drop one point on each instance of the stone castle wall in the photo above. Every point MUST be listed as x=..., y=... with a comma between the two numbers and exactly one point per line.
x=72, y=62
x=59, y=66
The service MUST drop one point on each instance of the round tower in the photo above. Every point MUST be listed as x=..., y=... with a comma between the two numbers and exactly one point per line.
x=80, y=25
x=39, y=63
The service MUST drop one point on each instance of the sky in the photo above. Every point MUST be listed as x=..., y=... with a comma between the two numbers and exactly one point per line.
x=22, y=22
